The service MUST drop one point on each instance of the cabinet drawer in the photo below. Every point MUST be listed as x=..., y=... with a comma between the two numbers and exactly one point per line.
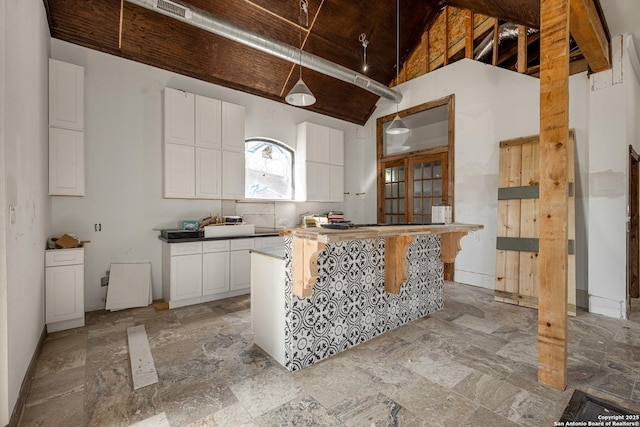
x=57, y=257
x=215, y=246
x=240, y=244
x=185, y=248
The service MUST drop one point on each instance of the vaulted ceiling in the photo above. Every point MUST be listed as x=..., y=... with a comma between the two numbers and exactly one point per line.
x=127, y=30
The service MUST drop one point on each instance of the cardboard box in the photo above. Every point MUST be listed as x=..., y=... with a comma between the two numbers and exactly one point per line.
x=67, y=241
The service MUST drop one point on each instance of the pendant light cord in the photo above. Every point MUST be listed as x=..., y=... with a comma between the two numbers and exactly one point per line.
x=397, y=48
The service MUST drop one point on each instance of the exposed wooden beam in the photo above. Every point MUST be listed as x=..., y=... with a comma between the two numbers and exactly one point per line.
x=424, y=45
x=522, y=49
x=589, y=33
x=496, y=38
x=553, y=231
x=446, y=36
x=468, y=47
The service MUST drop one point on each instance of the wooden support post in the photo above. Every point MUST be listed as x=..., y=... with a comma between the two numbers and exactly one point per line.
x=496, y=39
x=445, y=54
x=395, y=262
x=554, y=135
x=424, y=45
x=468, y=47
x=522, y=49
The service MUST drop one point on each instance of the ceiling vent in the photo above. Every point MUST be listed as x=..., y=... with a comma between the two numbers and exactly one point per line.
x=174, y=9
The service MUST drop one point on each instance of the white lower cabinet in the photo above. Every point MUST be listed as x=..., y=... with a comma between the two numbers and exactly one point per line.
x=186, y=276
x=64, y=289
x=240, y=264
x=196, y=272
x=215, y=267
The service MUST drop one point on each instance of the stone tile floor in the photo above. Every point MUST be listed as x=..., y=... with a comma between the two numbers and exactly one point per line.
x=471, y=364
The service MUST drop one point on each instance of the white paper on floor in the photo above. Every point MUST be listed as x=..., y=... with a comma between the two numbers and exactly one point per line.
x=158, y=420
x=129, y=286
x=143, y=370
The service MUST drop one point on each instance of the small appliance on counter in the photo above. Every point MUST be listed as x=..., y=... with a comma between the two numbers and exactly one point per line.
x=181, y=234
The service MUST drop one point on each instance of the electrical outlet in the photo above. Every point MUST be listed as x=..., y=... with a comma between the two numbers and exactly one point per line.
x=97, y=227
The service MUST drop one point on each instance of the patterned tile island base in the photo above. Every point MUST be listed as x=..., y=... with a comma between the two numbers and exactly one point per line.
x=349, y=304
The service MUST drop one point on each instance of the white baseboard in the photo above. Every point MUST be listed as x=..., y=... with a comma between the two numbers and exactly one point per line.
x=475, y=279
x=607, y=307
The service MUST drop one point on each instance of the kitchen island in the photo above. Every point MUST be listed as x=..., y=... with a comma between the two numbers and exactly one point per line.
x=343, y=287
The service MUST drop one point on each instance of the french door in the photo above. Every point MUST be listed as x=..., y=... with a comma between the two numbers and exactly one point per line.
x=411, y=186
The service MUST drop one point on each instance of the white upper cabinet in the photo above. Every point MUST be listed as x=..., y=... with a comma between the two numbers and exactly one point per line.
x=315, y=139
x=179, y=171
x=179, y=117
x=208, y=122
x=66, y=95
x=213, y=168
x=66, y=162
x=208, y=173
x=336, y=147
x=336, y=183
x=319, y=163
x=232, y=175
x=232, y=127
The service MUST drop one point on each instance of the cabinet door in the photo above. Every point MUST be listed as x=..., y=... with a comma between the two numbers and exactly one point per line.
x=179, y=171
x=208, y=122
x=318, y=148
x=186, y=277
x=208, y=173
x=66, y=162
x=336, y=147
x=64, y=293
x=232, y=175
x=240, y=265
x=66, y=95
x=179, y=116
x=232, y=127
x=318, y=182
x=337, y=183
x=215, y=273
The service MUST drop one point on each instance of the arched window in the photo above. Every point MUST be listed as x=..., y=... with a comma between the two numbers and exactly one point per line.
x=268, y=169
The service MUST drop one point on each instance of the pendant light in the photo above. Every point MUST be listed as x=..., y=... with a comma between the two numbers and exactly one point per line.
x=300, y=95
x=397, y=126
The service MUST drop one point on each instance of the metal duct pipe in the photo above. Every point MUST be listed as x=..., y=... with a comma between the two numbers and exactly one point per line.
x=507, y=32
x=206, y=21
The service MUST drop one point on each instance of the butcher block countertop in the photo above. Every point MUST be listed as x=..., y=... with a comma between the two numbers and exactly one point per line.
x=326, y=235
x=307, y=243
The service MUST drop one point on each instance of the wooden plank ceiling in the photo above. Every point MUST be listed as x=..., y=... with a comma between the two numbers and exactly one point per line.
x=120, y=28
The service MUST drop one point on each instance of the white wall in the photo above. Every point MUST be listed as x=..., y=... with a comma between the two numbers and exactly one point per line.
x=5, y=410
x=578, y=120
x=25, y=139
x=613, y=114
x=124, y=162
x=491, y=104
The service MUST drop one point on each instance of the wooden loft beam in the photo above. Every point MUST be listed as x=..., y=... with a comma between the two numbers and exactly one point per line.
x=522, y=49
x=589, y=33
x=553, y=231
x=469, y=36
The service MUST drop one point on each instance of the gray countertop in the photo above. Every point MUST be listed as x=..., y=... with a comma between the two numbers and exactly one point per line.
x=274, y=251
x=259, y=232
